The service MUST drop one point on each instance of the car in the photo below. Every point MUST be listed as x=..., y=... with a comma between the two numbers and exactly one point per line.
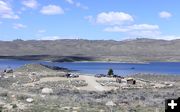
x=100, y=75
x=8, y=70
x=74, y=75
x=69, y=75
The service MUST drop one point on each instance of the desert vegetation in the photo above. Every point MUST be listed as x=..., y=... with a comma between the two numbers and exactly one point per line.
x=54, y=92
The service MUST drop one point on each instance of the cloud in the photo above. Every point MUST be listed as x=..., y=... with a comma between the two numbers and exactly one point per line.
x=132, y=28
x=52, y=10
x=119, y=22
x=6, y=11
x=113, y=18
x=165, y=14
x=19, y=26
x=141, y=31
x=137, y=30
x=30, y=3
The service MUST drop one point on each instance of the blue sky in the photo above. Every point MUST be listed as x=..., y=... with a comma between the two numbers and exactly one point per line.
x=89, y=19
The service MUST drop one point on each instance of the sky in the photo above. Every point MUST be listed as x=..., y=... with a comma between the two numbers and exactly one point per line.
x=89, y=19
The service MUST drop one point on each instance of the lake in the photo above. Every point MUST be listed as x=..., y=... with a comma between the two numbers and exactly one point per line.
x=97, y=67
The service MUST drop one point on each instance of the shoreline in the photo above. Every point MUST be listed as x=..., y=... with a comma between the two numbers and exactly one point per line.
x=93, y=61
x=45, y=62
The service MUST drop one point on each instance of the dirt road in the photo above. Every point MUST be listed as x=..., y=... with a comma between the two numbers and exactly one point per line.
x=90, y=80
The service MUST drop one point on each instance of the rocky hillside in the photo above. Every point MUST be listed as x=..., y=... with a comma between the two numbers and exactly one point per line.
x=128, y=50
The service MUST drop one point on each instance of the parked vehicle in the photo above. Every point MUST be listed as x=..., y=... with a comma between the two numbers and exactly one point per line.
x=74, y=75
x=100, y=75
x=8, y=70
x=68, y=75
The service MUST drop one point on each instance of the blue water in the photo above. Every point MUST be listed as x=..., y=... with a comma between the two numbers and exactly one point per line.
x=95, y=67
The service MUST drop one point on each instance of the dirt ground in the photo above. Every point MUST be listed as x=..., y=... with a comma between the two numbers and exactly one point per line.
x=92, y=84
x=85, y=93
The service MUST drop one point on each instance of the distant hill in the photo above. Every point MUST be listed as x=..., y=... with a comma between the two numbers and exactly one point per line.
x=137, y=50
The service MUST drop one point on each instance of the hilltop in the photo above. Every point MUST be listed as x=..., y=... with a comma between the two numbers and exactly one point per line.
x=138, y=50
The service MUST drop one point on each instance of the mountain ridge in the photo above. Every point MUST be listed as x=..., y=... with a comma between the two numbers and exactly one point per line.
x=97, y=50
